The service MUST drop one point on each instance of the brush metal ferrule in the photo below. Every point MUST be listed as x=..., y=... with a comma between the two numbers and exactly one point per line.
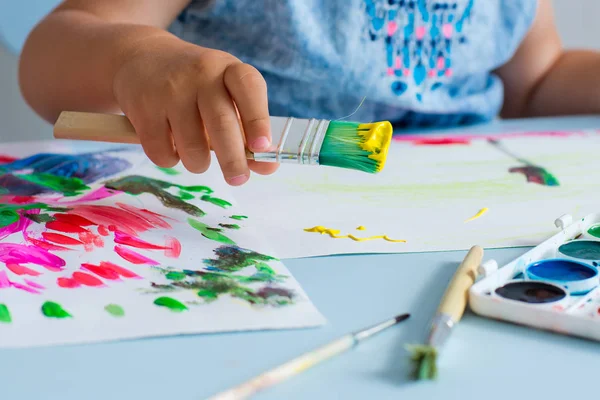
x=441, y=326
x=295, y=141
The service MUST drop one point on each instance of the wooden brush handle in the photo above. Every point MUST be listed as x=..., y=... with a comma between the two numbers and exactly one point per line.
x=455, y=299
x=95, y=127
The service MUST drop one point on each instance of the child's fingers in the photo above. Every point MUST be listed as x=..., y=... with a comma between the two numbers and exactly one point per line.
x=190, y=136
x=249, y=91
x=223, y=128
x=156, y=140
x=262, y=168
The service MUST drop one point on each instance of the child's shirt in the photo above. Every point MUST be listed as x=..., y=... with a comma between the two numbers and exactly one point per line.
x=418, y=63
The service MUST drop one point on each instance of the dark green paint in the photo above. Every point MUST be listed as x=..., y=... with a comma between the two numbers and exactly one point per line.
x=238, y=217
x=8, y=217
x=229, y=226
x=136, y=185
x=40, y=218
x=223, y=279
x=582, y=249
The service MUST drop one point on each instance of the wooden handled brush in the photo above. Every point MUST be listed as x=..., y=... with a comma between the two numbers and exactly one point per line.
x=449, y=312
x=362, y=147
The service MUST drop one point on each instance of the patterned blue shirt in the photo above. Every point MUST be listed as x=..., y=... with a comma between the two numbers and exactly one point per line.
x=417, y=63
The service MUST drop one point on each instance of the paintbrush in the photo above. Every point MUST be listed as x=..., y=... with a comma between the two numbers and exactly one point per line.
x=306, y=361
x=448, y=314
x=350, y=145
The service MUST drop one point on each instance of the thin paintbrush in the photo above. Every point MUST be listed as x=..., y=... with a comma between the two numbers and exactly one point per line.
x=449, y=312
x=351, y=145
x=305, y=361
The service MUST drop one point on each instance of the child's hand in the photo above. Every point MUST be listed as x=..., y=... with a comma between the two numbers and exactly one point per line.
x=182, y=101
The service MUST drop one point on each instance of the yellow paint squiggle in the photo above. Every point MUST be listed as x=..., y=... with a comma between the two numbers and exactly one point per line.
x=479, y=214
x=361, y=228
x=335, y=233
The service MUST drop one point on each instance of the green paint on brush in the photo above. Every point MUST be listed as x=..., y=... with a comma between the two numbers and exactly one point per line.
x=67, y=186
x=169, y=171
x=208, y=232
x=595, y=231
x=229, y=226
x=238, y=217
x=216, y=201
x=136, y=185
x=115, y=310
x=54, y=310
x=5, y=314
x=170, y=303
x=424, y=361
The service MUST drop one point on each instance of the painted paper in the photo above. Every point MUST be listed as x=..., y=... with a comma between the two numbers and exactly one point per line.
x=436, y=193
x=100, y=245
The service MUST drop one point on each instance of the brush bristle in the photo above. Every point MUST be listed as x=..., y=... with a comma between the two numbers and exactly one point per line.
x=352, y=145
x=424, y=360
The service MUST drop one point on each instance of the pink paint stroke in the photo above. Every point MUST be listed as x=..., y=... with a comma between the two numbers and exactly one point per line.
x=11, y=253
x=134, y=257
x=6, y=283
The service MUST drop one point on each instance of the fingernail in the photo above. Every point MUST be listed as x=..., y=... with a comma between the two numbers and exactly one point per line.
x=262, y=143
x=238, y=180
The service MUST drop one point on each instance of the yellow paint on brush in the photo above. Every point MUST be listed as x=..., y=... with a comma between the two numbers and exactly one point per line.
x=377, y=138
x=361, y=228
x=479, y=214
x=335, y=233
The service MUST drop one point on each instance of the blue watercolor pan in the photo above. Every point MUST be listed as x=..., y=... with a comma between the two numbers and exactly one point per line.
x=576, y=277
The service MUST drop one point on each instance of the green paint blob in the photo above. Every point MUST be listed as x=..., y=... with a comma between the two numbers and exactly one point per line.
x=208, y=232
x=67, y=186
x=229, y=226
x=175, y=276
x=54, y=310
x=170, y=303
x=238, y=217
x=216, y=201
x=582, y=249
x=5, y=314
x=595, y=231
x=185, y=195
x=115, y=310
x=8, y=217
x=208, y=294
x=136, y=185
x=169, y=171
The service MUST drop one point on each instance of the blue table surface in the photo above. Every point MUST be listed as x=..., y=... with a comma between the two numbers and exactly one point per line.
x=483, y=358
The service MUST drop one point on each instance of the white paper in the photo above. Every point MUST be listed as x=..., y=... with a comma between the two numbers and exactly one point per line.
x=89, y=322
x=424, y=196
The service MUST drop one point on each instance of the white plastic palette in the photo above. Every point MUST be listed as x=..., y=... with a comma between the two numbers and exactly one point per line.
x=555, y=286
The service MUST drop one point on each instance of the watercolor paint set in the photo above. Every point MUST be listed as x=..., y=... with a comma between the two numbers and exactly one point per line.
x=555, y=286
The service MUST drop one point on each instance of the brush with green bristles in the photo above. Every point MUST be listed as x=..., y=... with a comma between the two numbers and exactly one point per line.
x=449, y=312
x=350, y=145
